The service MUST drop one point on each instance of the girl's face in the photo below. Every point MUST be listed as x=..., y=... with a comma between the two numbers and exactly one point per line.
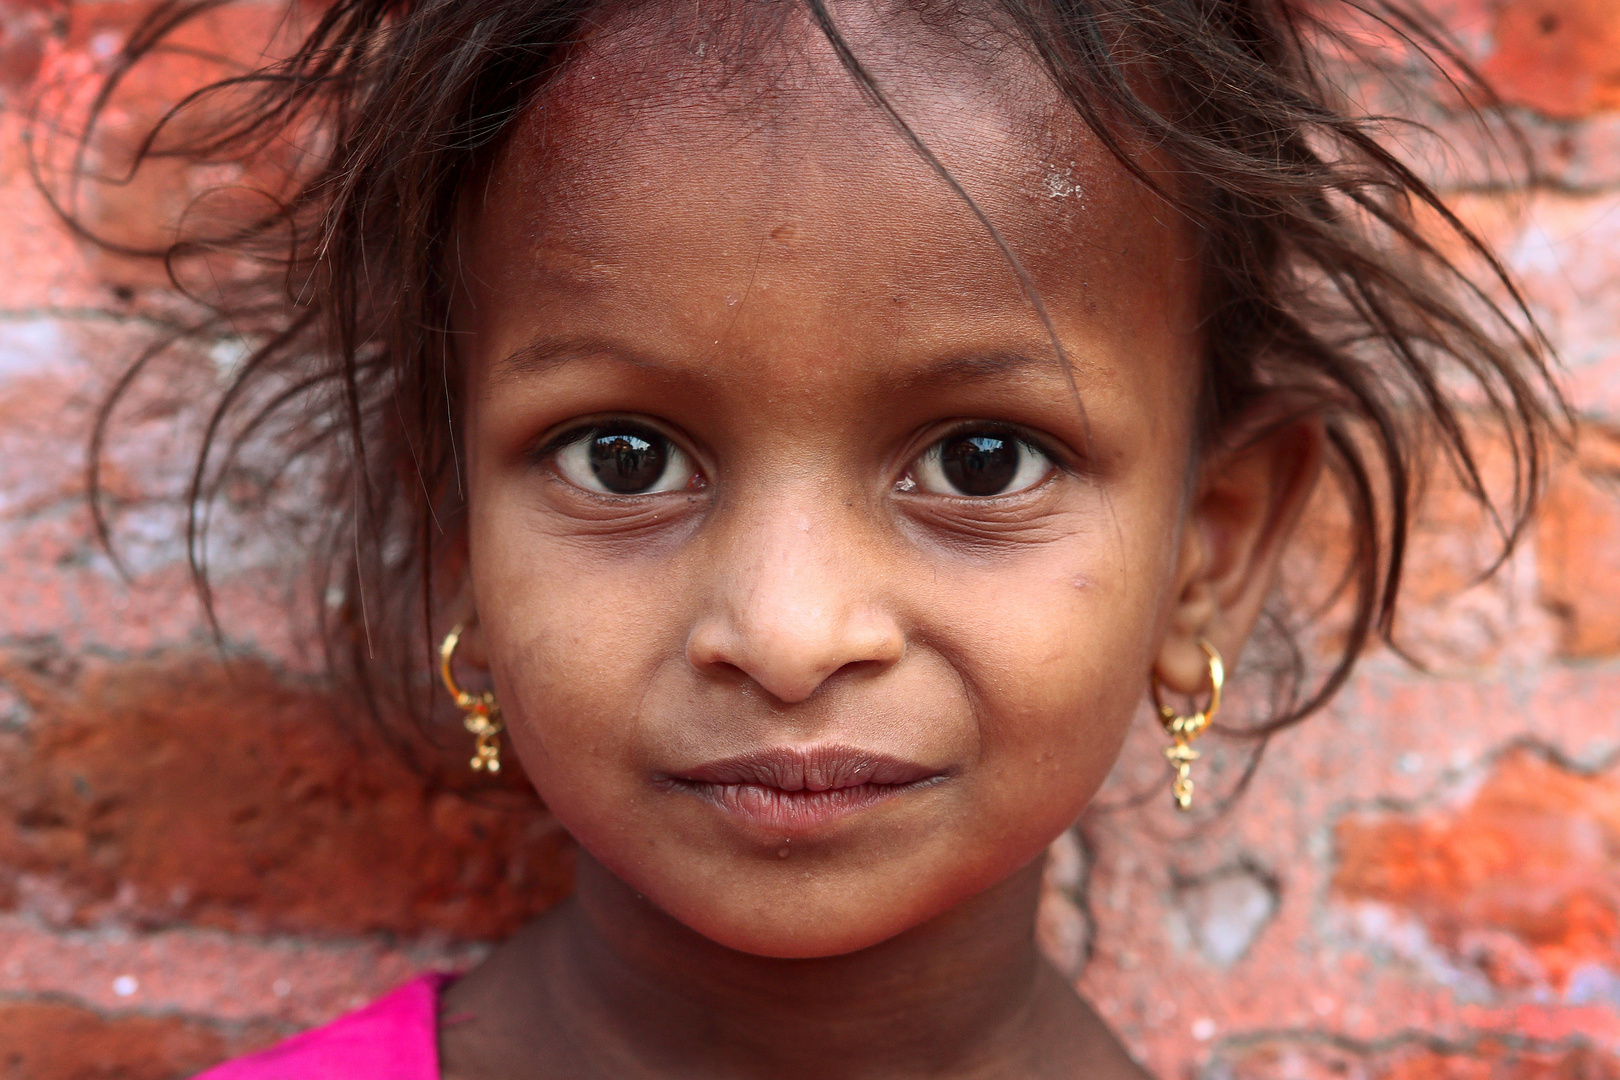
x=815, y=601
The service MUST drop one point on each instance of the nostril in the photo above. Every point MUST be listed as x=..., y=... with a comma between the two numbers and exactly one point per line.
x=860, y=668
x=724, y=670
x=712, y=657
x=788, y=672
x=790, y=647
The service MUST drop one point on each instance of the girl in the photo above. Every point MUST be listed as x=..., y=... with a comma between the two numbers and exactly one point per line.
x=825, y=423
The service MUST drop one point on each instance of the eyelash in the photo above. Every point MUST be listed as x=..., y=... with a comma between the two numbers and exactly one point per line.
x=1033, y=440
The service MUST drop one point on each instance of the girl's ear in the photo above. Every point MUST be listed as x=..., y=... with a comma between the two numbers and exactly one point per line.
x=471, y=651
x=460, y=606
x=1251, y=492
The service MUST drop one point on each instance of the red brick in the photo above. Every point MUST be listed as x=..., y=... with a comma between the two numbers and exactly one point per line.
x=1451, y=614
x=1578, y=546
x=143, y=208
x=1559, y=57
x=1492, y=1057
x=57, y=1041
x=1530, y=856
x=180, y=793
x=25, y=27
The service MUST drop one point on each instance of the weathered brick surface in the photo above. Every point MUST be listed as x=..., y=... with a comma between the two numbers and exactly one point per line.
x=1559, y=57
x=189, y=794
x=25, y=29
x=1578, y=546
x=1520, y=882
x=1413, y=1058
x=42, y=1040
x=1420, y=883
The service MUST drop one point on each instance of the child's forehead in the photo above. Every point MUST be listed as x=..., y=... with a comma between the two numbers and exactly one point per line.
x=658, y=175
x=767, y=117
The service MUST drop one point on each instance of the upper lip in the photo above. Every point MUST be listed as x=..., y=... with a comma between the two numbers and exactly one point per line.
x=813, y=768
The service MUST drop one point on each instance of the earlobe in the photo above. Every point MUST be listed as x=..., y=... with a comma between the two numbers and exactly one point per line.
x=471, y=650
x=1249, y=499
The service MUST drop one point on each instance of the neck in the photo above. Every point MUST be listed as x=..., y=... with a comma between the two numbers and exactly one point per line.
x=943, y=999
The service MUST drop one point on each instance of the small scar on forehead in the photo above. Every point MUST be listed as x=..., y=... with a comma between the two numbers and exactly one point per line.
x=1059, y=186
x=785, y=231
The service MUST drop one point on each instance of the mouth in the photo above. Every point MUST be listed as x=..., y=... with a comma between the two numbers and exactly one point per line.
x=797, y=790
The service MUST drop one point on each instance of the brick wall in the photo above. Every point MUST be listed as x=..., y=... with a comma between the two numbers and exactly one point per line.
x=195, y=859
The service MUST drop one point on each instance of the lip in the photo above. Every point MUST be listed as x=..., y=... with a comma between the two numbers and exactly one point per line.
x=788, y=790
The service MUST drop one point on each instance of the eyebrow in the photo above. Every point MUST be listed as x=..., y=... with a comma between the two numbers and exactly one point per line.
x=973, y=367
x=545, y=355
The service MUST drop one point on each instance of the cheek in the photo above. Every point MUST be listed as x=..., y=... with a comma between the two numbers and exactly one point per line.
x=1057, y=662
x=572, y=648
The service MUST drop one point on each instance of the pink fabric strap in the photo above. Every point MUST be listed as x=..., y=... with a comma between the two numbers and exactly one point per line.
x=393, y=1038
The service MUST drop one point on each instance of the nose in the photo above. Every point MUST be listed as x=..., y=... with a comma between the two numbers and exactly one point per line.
x=789, y=609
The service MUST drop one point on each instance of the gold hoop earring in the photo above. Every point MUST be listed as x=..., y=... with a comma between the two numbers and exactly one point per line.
x=1184, y=729
x=481, y=715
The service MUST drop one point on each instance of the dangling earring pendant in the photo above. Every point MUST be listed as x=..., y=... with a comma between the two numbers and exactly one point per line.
x=1184, y=729
x=481, y=714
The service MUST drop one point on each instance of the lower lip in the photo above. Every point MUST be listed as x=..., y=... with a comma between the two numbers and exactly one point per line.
x=788, y=812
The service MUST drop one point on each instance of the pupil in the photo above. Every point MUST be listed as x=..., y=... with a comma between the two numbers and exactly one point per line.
x=627, y=463
x=979, y=464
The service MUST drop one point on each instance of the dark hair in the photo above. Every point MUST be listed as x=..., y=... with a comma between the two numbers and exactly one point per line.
x=1326, y=264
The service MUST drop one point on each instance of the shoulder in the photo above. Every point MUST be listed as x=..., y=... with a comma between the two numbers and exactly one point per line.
x=393, y=1038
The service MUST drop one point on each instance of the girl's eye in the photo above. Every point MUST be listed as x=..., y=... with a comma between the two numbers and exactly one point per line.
x=979, y=464
x=625, y=459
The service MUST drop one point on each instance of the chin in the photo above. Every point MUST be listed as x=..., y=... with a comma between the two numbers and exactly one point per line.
x=810, y=936
x=797, y=924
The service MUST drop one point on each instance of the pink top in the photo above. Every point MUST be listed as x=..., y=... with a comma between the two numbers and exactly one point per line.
x=393, y=1038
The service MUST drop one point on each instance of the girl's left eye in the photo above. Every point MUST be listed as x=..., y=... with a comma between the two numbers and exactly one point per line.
x=978, y=463
x=625, y=459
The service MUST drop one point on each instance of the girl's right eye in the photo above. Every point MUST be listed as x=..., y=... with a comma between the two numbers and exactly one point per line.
x=624, y=459
x=979, y=463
